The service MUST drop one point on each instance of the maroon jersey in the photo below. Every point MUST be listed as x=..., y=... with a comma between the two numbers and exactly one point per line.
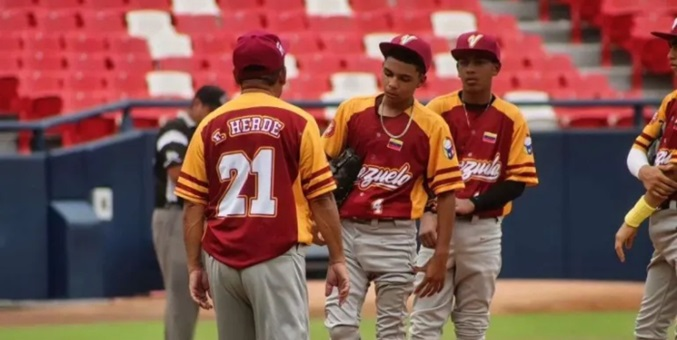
x=494, y=145
x=254, y=163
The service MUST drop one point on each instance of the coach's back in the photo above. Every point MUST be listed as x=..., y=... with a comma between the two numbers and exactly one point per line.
x=257, y=204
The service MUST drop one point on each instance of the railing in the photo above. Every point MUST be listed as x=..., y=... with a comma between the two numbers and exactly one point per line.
x=126, y=106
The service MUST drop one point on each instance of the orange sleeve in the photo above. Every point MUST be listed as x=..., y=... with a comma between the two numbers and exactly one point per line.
x=443, y=171
x=335, y=135
x=316, y=176
x=437, y=105
x=521, y=165
x=653, y=128
x=192, y=184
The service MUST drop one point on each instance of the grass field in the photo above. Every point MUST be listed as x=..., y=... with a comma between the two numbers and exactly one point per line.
x=579, y=326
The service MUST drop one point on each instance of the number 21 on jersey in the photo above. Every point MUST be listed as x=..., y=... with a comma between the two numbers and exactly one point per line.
x=238, y=168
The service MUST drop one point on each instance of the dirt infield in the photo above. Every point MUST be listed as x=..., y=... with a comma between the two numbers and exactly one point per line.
x=512, y=296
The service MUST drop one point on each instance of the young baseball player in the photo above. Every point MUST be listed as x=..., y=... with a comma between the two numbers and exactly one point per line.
x=497, y=162
x=403, y=147
x=659, y=304
x=255, y=172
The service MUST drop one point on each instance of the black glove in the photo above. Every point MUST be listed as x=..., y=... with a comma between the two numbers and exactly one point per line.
x=345, y=168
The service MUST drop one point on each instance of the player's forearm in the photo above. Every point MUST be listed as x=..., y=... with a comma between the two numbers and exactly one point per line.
x=193, y=229
x=446, y=218
x=328, y=223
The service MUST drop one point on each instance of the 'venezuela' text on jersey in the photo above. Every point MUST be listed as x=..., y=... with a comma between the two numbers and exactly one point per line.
x=493, y=146
x=255, y=162
x=391, y=181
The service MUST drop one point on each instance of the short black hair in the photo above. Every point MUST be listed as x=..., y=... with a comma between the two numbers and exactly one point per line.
x=210, y=95
x=408, y=56
x=256, y=72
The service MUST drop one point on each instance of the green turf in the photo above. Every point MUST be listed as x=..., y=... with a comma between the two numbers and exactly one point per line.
x=582, y=326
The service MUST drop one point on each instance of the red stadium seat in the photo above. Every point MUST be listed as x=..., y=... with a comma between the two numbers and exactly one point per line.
x=126, y=44
x=95, y=128
x=412, y=21
x=39, y=61
x=368, y=5
x=362, y=63
x=198, y=24
x=422, y=5
x=41, y=42
x=84, y=43
x=339, y=43
x=615, y=22
x=243, y=21
x=307, y=86
x=9, y=92
x=10, y=43
x=41, y=105
x=223, y=79
x=58, y=4
x=92, y=63
x=16, y=4
x=164, y=5
x=301, y=42
x=103, y=21
x=283, y=5
x=57, y=21
x=83, y=81
x=206, y=44
x=443, y=85
x=220, y=63
x=189, y=65
x=229, y=5
x=472, y=6
x=288, y=21
x=134, y=63
x=331, y=24
x=14, y=20
x=374, y=21
x=106, y=4
x=319, y=63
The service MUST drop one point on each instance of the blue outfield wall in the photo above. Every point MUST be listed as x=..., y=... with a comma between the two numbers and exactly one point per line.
x=76, y=222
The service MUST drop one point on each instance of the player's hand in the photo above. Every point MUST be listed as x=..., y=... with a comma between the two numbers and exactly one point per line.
x=464, y=206
x=655, y=180
x=435, y=274
x=337, y=276
x=427, y=231
x=199, y=288
x=624, y=238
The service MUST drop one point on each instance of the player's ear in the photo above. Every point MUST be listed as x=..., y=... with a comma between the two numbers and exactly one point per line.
x=237, y=80
x=282, y=76
x=421, y=80
x=497, y=69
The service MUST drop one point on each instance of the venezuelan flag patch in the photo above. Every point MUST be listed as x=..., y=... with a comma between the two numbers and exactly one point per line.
x=489, y=137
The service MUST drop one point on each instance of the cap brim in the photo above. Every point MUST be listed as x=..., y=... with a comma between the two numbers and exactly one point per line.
x=459, y=53
x=665, y=36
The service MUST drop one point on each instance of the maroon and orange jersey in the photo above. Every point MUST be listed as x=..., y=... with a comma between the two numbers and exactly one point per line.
x=493, y=146
x=663, y=119
x=391, y=181
x=254, y=163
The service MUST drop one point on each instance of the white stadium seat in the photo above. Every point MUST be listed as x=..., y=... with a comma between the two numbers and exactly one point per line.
x=538, y=117
x=195, y=7
x=451, y=24
x=371, y=41
x=170, y=46
x=292, y=66
x=173, y=84
x=328, y=8
x=445, y=65
x=354, y=83
x=146, y=23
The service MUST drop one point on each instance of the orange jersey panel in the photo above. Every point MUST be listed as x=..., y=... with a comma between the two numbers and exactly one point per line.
x=394, y=170
x=493, y=146
x=254, y=162
x=653, y=128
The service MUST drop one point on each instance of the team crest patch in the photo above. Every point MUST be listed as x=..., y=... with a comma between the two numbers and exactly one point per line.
x=654, y=118
x=329, y=131
x=448, y=147
x=527, y=145
x=218, y=136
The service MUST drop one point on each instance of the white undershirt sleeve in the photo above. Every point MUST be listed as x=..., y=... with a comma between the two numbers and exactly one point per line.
x=636, y=160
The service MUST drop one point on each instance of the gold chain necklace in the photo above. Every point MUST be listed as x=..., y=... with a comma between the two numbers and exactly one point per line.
x=406, y=128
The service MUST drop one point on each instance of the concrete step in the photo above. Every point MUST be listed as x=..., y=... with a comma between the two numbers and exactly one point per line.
x=584, y=54
x=551, y=31
x=619, y=76
x=523, y=10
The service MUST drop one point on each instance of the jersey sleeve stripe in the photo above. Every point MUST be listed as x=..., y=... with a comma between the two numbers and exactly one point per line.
x=189, y=197
x=323, y=187
x=192, y=185
x=451, y=181
x=523, y=179
x=320, y=184
x=646, y=136
x=445, y=171
x=519, y=166
x=316, y=174
x=191, y=191
x=641, y=145
x=194, y=180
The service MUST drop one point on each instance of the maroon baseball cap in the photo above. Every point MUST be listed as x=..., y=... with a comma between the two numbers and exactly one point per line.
x=258, y=48
x=669, y=36
x=411, y=43
x=476, y=42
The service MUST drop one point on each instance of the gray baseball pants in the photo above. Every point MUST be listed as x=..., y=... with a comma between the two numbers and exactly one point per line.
x=180, y=311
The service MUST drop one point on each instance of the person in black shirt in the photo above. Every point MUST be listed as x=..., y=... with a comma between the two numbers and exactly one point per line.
x=170, y=147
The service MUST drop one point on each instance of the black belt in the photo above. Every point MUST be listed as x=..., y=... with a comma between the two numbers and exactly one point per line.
x=470, y=218
x=666, y=205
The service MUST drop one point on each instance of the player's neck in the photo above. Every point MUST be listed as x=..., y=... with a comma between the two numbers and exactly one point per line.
x=477, y=98
x=390, y=109
x=255, y=89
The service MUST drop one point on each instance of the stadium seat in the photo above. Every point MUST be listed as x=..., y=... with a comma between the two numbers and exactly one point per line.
x=172, y=84
x=287, y=21
x=163, y=5
x=211, y=44
x=372, y=40
x=362, y=63
x=354, y=83
x=103, y=21
x=56, y=21
x=291, y=65
x=278, y=5
x=238, y=22
x=170, y=45
x=228, y=5
x=301, y=42
x=408, y=5
x=330, y=23
x=411, y=21
x=133, y=62
x=127, y=45
x=84, y=43
x=146, y=23
x=328, y=8
x=58, y=4
x=342, y=43
x=195, y=7
x=16, y=4
x=10, y=43
x=374, y=21
x=368, y=5
x=42, y=61
x=105, y=4
x=319, y=64
x=81, y=81
x=451, y=24
x=89, y=62
x=14, y=20
x=538, y=117
x=34, y=41
x=445, y=65
x=188, y=65
x=196, y=25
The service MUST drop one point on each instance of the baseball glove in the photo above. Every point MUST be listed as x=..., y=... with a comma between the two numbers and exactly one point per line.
x=345, y=168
